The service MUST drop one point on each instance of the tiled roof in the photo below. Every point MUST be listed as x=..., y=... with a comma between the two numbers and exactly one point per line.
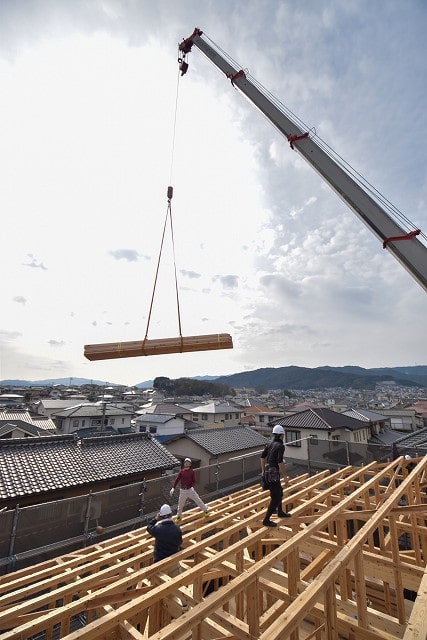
x=40, y=422
x=227, y=439
x=48, y=403
x=387, y=437
x=216, y=407
x=38, y=465
x=365, y=415
x=155, y=418
x=26, y=427
x=88, y=410
x=171, y=408
x=320, y=418
x=414, y=439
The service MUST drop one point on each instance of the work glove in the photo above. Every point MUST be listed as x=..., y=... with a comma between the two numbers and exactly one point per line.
x=171, y=492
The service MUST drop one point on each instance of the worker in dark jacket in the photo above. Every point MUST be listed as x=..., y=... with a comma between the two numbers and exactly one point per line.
x=167, y=534
x=272, y=465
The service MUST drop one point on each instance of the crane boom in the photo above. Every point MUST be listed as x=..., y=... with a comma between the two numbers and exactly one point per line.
x=404, y=245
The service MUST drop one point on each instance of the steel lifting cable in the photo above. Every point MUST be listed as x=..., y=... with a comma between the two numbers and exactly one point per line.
x=168, y=216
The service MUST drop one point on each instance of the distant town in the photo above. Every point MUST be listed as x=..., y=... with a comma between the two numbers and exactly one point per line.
x=105, y=454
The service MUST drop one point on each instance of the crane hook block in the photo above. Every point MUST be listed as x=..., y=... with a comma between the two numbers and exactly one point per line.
x=187, y=43
x=170, y=192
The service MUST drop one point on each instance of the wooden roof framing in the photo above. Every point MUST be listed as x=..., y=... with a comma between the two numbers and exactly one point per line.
x=335, y=569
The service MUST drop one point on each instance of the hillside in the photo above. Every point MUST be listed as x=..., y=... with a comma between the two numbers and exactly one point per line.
x=280, y=378
x=324, y=377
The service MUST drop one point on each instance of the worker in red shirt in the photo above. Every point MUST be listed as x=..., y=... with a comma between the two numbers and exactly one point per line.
x=187, y=478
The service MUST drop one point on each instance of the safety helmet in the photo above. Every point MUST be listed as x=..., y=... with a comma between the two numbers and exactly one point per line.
x=187, y=460
x=278, y=430
x=165, y=510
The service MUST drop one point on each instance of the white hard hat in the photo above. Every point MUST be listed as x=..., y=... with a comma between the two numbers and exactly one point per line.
x=408, y=457
x=165, y=510
x=278, y=430
x=187, y=460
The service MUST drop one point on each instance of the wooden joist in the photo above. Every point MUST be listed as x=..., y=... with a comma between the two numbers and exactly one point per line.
x=309, y=577
x=158, y=346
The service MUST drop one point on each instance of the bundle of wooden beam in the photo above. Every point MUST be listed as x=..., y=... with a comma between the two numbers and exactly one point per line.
x=159, y=346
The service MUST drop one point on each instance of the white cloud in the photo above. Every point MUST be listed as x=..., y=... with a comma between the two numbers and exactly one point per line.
x=273, y=256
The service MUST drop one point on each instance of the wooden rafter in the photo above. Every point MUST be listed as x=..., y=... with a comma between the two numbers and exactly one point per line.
x=335, y=569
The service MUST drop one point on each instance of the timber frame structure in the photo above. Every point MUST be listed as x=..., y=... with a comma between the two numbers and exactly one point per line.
x=350, y=563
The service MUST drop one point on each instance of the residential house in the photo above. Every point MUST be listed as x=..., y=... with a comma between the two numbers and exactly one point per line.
x=215, y=414
x=161, y=426
x=377, y=422
x=420, y=407
x=327, y=430
x=87, y=419
x=39, y=470
x=170, y=408
x=403, y=418
x=49, y=406
x=260, y=416
x=19, y=423
x=222, y=453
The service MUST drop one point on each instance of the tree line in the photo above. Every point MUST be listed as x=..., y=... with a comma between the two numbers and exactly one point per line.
x=191, y=387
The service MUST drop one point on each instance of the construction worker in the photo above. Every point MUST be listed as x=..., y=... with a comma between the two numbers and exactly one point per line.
x=167, y=534
x=187, y=478
x=272, y=465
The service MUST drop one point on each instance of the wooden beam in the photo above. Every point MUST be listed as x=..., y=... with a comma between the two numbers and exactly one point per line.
x=109, y=351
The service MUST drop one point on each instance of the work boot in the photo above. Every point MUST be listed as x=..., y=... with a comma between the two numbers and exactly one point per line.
x=269, y=523
x=284, y=514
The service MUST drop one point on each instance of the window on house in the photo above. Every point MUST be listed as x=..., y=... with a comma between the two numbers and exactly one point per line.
x=142, y=429
x=236, y=415
x=75, y=422
x=291, y=437
x=314, y=439
x=153, y=429
x=335, y=438
x=112, y=420
x=196, y=417
x=83, y=423
x=261, y=418
x=96, y=422
x=123, y=420
x=204, y=416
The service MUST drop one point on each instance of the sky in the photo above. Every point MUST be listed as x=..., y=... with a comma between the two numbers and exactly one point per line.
x=96, y=122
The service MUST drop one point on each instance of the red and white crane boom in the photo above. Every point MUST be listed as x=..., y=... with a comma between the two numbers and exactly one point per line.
x=402, y=243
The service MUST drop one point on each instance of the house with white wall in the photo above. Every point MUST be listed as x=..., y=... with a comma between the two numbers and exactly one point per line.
x=161, y=426
x=317, y=425
x=93, y=418
x=216, y=414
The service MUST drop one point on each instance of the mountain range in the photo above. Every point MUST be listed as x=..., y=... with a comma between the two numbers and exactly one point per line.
x=326, y=377
x=279, y=378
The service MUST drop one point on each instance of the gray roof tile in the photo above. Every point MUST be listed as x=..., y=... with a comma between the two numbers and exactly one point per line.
x=35, y=465
x=227, y=439
x=319, y=418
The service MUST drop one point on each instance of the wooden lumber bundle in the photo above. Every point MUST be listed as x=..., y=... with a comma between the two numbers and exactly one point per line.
x=158, y=346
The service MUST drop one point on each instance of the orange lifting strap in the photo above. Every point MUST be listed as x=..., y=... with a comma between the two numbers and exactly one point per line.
x=147, y=347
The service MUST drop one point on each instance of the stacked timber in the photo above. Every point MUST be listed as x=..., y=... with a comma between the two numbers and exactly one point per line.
x=158, y=346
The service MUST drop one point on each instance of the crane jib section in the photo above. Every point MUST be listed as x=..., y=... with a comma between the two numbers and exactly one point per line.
x=401, y=243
